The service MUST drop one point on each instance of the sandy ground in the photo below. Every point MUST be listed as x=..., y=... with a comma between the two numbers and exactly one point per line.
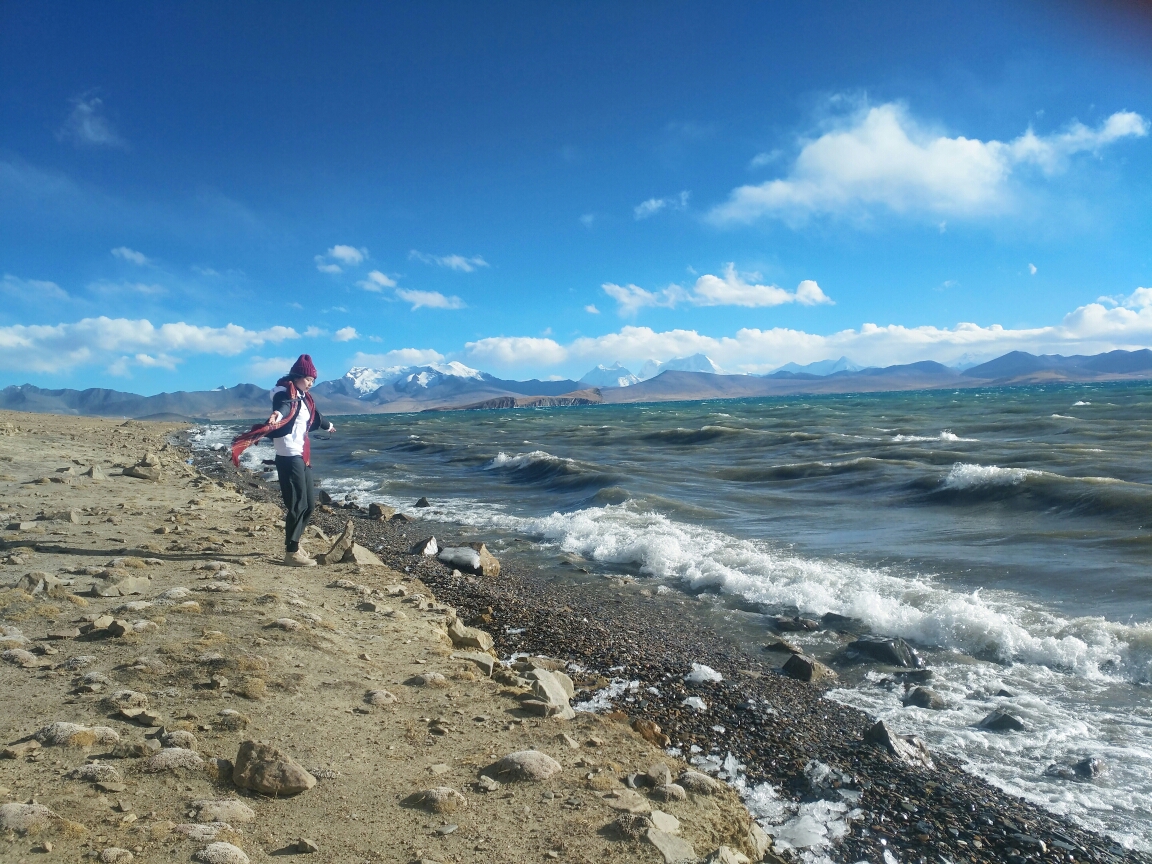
x=255, y=650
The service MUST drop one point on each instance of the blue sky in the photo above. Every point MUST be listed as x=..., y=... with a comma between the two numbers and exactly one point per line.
x=192, y=194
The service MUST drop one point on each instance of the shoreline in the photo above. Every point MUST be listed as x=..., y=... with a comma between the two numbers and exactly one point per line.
x=773, y=725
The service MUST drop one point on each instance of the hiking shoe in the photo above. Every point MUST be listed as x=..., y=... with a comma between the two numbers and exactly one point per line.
x=298, y=559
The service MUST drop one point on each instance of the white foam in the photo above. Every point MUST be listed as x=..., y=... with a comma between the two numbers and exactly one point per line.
x=965, y=475
x=946, y=435
x=1078, y=404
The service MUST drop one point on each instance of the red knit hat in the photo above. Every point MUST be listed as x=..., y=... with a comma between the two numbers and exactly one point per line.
x=303, y=368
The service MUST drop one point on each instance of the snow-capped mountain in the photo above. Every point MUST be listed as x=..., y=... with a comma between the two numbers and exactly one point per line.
x=695, y=363
x=610, y=376
x=360, y=381
x=822, y=367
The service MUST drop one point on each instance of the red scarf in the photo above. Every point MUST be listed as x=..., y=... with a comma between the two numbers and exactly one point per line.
x=246, y=439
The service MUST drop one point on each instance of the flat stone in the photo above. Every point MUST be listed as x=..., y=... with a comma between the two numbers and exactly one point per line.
x=675, y=849
x=262, y=768
x=728, y=855
x=358, y=554
x=665, y=822
x=628, y=800
x=20, y=750
x=486, y=662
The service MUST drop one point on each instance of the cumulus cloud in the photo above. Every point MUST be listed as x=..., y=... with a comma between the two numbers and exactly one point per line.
x=654, y=205
x=429, y=299
x=452, y=262
x=398, y=357
x=377, y=281
x=591, y=309
x=512, y=351
x=339, y=254
x=345, y=334
x=1032, y=269
x=266, y=367
x=131, y=255
x=87, y=126
x=107, y=287
x=58, y=347
x=31, y=289
x=731, y=289
x=884, y=158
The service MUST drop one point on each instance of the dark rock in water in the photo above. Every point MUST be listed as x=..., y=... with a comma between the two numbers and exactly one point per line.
x=323, y=497
x=380, y=512
x=806, y=669
x=924, y=697
x=904, y=747
x=1005, y=693
x=795, y=624
x=781, y=645
x=833, y=621
x=1086, y=769
x=423, y=502
x=999, y=721
x=400, y=517
x=891, y=650
x=916, y=676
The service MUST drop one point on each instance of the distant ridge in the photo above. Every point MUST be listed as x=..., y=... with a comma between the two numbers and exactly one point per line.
x=451, y=386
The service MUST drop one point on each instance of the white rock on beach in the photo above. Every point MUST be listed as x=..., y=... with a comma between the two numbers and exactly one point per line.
x=221, y=853
x=23, y=818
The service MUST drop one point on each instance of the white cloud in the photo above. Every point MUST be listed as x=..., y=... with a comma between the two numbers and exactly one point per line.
x=125, y=287
x=511, y=351
x=591, y=309
x=654, y=205
x=588, y=220
x=31, y=289
x=314, y=332
x=429, y=299
x=54, y=348
x=377, y=281
x=265, y=367
x=131, y=255
x=1032, y=269
x=883, y=157
x=398, y=357
x=345, y=334
x=452, y=262
x=339, y=254
x=87, y=125
x=731, y=289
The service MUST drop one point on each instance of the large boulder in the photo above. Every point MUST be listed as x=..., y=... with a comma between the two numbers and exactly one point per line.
x=473, y=558
x=891, y=650
x=1001, y=721
x=906, y=748
x=547, y=688
x=804, y=668
x=357, y=554
x=530, y=765
x=262, y=768
x=468, y=637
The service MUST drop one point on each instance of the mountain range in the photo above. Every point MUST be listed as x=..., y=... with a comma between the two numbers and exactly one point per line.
x=447, y=386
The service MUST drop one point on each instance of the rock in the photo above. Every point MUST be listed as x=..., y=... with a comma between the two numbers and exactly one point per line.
x=342, y=545
x=806, y=669
x=173, y=759
x=883, y=649
x=135, y=749
x=670, y=792
x=429, y=679
x=423, y=502
x=95, y=773
x=530, y=765
x=631, y=826
x=380, y=512
x=64, y=633
x=400, y=517
x=120, y=584
x=37, y=582
x=127, y=699
x=925, y=697
x=728, y=855
x=24, y=818
x=144, y=472
x=19, y=657
x=289, y=624
x=221, y=853
x=119, y=627
x=486, y=662
x=650, y=731
x=427, y=547
x=474, y=558
x=795, y=624
x=1090, y=767
x=74, y=735
x=468, y=637
x=94, y=472
x=487, y=784
x=115, y=855
x=20, y=750
x=441, y=799
x=179, y=738
x=1000, y=721
x=759, y=841
x=658, y=775
x=199, y=833
x=231, y=810
x=781, y=645
x=262, y=768
x=304, y=846
x=699, y=784
x=675, y=849
x=379, y=697
x=551, y=692
x=665, y=822
x=906, y=748
x=628, y=800
x=357, y=554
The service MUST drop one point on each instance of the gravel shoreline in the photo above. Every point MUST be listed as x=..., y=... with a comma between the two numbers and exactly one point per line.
x=773, y=725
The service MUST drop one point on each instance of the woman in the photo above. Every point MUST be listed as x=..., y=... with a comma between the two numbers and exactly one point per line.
x=293, y=415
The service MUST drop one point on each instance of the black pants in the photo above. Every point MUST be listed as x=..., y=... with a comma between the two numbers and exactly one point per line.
x=299, y=497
